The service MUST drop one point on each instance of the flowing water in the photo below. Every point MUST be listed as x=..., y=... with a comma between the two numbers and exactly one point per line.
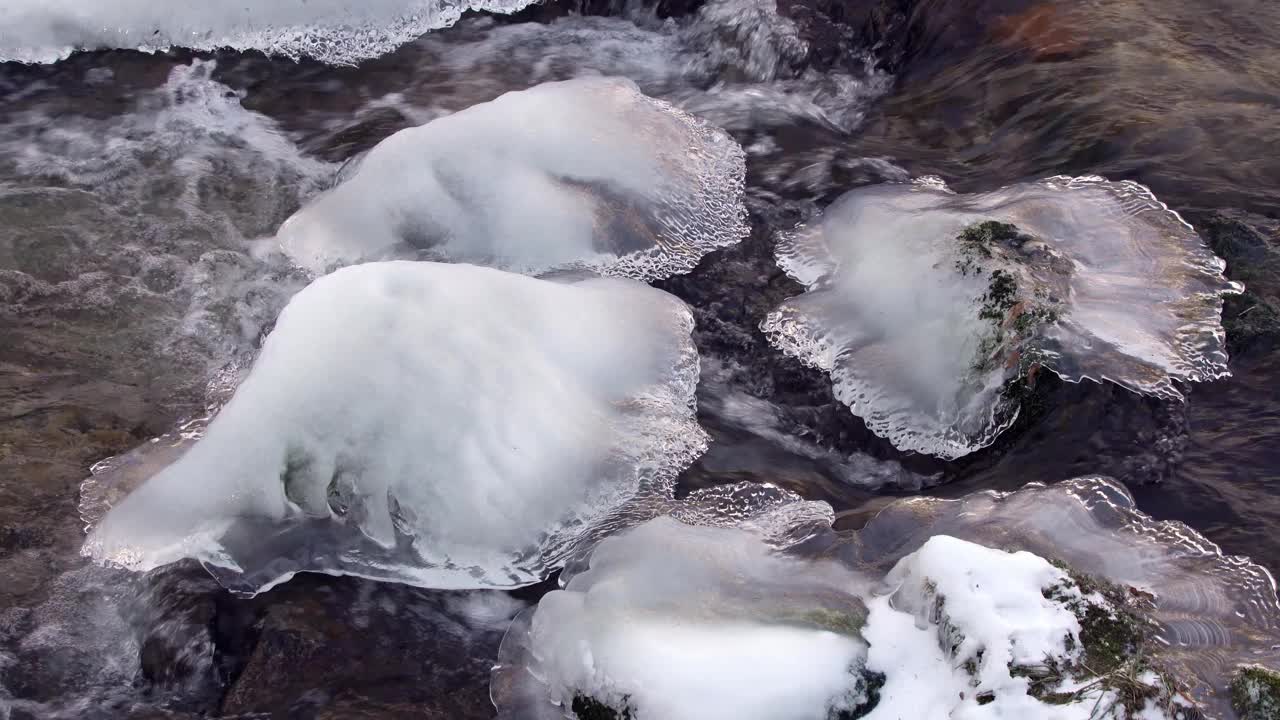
x=139, y=193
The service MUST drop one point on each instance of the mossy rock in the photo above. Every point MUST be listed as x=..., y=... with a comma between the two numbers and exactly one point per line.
x=981, y=236
x=1116, y=641
x=1255, y=693
x=1111, y=635
x=588, y=708
x=1251, y=319
x=842, y=623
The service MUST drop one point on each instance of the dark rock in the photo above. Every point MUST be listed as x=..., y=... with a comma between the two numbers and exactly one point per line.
x=349, y=648
x=1251, y=246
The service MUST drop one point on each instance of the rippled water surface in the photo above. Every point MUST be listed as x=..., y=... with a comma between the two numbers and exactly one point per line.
x=138, y=193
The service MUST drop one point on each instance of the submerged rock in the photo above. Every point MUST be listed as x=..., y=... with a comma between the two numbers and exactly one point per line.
x=345, y=648
x=1255, y=693
x=1251, y=247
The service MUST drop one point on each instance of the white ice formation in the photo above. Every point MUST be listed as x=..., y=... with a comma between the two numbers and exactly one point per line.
x=1212, y=611
x=587, y=173
x=331, y=31
x=680, y=622
x=440, y=425
x=930, y=620
x=675, y=622
x=925, y=305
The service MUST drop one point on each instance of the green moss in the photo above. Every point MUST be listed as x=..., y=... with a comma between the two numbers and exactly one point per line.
x=1249, y=321
x=981, y=236
x=1001, y=296
x=843, y=623
x=1033, y=318
x=1255, y=693
x=588, y=708
x=1115, y=637
x=1111, y=634
x=976, y=241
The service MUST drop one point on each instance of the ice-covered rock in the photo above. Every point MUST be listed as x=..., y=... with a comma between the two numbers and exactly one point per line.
x=990, y=605
x=1208, y=612
x=585, y=173
x=999, y=635
x=1255, y=693
x=332, y=31
x=439, y=425
x=673, y=621
x=676, y=622
x=927, y=307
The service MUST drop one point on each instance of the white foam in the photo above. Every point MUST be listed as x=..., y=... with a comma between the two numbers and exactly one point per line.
x=441, y=425
x=583, y=173
x=331, y=31
x=892, y=311
x=142, y=220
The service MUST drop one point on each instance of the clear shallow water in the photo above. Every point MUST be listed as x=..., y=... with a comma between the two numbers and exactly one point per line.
x=134, y=190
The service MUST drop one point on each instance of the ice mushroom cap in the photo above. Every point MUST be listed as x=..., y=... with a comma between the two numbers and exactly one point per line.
x=924, y=305
x=441, y=425
x=584, y=173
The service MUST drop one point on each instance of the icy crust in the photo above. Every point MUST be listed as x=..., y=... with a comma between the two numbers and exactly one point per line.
x=585, y=173
x=676, y=622
x=331, y=31
x=439, y=425
x=1212, y=611
x=924, y=305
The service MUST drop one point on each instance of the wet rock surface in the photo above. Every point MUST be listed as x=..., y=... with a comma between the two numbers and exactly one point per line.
x=340, y=648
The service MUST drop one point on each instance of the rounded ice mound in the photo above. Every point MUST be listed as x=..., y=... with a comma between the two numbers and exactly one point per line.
x=1213, y=612
x=331, y=31
x=440, y=425
x=926, y=306
x=585, y=173
x=676, y=622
